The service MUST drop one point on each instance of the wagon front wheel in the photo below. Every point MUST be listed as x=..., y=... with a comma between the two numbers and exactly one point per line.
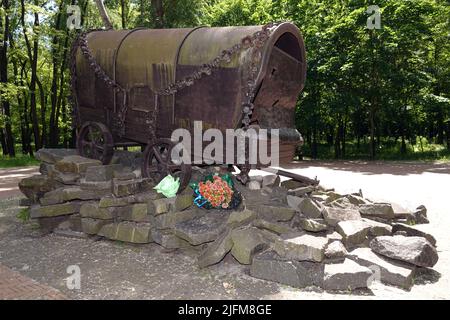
x=159, y=162
x=95, y=141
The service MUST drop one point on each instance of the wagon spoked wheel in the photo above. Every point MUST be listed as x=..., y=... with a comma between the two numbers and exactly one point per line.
x=158, y=163
x=95, y=141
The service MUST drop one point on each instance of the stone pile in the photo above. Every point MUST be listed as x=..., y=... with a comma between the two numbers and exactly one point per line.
x=288, y=232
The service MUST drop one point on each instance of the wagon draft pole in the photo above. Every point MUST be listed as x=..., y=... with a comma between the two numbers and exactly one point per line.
x=134, y=87
x=104, y=14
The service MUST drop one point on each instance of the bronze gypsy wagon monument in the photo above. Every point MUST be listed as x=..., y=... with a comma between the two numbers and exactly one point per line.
x=134, y=87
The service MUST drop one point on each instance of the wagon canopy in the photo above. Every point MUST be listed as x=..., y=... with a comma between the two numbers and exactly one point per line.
x=144, y=61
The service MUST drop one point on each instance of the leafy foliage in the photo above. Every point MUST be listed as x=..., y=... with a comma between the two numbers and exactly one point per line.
x=368, y=92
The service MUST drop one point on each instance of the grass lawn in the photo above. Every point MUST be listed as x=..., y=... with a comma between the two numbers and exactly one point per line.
x=19, y=161
x=388, y=150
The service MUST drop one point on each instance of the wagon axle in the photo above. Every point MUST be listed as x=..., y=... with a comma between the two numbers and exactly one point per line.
x=95, y=141
x=158, y=163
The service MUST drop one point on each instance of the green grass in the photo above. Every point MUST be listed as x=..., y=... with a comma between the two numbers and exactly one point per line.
x=422, y=150
x=388, y=150
x=24, y=214
x=19, y=161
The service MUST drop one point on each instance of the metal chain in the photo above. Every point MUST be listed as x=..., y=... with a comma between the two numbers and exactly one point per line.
x=73, y=85
x=255, y=41
x=82, y=44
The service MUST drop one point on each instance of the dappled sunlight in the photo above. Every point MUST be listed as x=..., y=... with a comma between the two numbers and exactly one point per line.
x=7, y=189
x=9, y=176
x=9, y=179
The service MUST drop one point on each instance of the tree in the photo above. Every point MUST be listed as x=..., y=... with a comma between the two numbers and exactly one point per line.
x=32, y=51
x=6, y=137
x=367, y=91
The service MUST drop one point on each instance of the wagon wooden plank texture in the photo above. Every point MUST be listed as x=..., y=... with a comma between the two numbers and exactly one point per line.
x=135, y=87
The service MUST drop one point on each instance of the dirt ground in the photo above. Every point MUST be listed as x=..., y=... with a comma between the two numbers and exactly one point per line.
x=113, y=270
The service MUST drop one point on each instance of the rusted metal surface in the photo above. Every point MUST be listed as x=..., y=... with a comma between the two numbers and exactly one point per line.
x=158, y=163
x=95, y=141
x=144, y=83
x=298, y=177
x=148, y=57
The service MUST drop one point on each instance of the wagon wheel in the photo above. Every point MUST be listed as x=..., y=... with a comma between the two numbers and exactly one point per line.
x=158, y=163
x=95, y=141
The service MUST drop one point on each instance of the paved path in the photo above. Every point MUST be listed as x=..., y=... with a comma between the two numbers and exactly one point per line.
x=13, y=285
x=9, y=179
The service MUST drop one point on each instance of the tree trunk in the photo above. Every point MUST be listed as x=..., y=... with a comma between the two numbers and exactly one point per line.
x=123, y=13
x=447, y=133
x=61, y=89
x=3, y=142
x=84, y=9
x=18, y=81
x=343, y=137
x=373, y=96
x=32, y=56
x=158, y=13
x=440, y=128
x=372, y=133
x=358, y=143
x=104, y=14
x=403, y=145
x=314, y=143
x=56, y=50
x=330, y=135
x=43, y=112
x=337, y=141
x=64, y=119
x=8, y=136
x=26, y=133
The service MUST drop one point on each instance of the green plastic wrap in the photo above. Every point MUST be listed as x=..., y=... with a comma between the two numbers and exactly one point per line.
x=168, y=186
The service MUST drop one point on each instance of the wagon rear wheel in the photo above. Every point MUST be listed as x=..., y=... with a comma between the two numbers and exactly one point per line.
x=95, y=141
x=158, y=163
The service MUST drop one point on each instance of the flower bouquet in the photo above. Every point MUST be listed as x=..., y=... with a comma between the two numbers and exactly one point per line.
x=216, y=191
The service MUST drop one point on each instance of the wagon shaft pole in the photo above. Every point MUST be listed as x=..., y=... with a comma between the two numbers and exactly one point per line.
x=104, y=14
x=293, y=176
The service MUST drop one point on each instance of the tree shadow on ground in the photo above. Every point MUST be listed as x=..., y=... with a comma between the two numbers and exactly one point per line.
x=426, y=276
x=375, y=167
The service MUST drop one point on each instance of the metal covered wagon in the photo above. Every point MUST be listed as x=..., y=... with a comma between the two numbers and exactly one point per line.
x=134, y=87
